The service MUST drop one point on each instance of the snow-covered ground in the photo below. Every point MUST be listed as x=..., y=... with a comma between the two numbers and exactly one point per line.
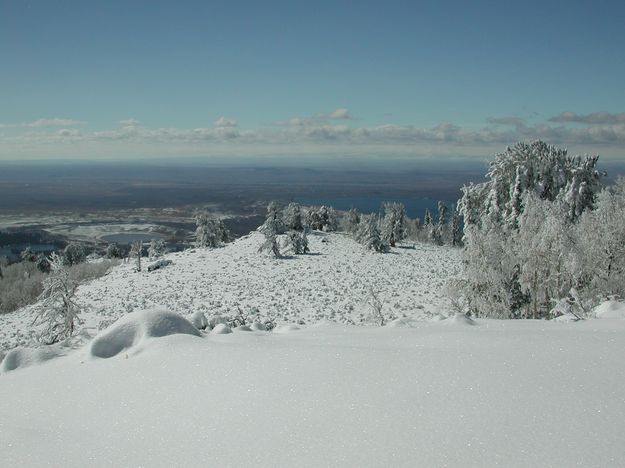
x=332, y=282
x=151, y=390
x=447, y=393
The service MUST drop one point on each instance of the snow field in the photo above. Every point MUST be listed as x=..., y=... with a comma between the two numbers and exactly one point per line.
x=495, y=393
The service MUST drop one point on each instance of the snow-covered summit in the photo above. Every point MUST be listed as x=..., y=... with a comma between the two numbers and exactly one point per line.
x=332, y=282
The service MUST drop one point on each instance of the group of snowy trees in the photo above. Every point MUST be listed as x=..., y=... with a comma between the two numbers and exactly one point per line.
x=379, y=233
x=285, y=221
x=540, y=236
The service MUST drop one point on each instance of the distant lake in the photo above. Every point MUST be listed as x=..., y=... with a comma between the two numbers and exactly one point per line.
x=130, y=237
x=415, y=207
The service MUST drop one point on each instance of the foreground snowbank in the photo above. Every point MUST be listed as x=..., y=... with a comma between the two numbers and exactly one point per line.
x=513, y=393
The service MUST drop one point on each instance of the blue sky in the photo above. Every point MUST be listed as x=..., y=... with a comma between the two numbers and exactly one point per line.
x=133, y=79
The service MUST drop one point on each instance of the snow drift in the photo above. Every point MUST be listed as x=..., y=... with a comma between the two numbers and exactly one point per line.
x=24, y=357
x=134, y=328
x=610, y=310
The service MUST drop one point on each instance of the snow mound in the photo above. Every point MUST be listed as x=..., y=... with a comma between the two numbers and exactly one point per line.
x=566, y=318
x=610, y=310
x=242, y=328
x=216, y=320
x=286, y=328
x=257, y=326
x=437, y=318
x=400, y=323
x=221, y=329
x=132, y=329
x=24, y=357
x=459, y=319
x=199, y=320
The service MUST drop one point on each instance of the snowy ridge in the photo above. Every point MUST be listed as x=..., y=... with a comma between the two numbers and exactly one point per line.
x=330, y=283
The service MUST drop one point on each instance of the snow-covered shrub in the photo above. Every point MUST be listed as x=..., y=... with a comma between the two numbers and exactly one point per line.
x=376, y=305
x=20, y=284
x=57, y=310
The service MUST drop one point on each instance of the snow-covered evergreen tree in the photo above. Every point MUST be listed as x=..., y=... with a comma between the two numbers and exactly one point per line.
x=292, y=217
x=519, y=227
x=113, y=251
x=545, y=170
x=369, y=234
x=393, y=223
x=272, y=226
x=323, y=218
x=427, y=219
x=353, y=220
x=43, y=264
x=430, y=227
x=28, y=255
x=210, y=232
x=297, y=242
x=57, y=309
x=74, y=254
x=156, y=249
x=136, y=252
x=441, y=226
x=456, y=230
x=598, y=260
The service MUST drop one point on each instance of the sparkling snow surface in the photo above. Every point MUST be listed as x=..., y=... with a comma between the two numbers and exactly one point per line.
x=496, y=393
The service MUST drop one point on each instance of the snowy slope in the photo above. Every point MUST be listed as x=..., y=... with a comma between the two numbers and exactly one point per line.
x=498, y=393
x=331, y=283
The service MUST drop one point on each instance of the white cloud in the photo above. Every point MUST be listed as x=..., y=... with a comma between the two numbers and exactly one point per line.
x=595, y=118
x=53, y=122
x=66, y=132
x=513, y=121
x=224, y=122
x=129, y=123
x=340, y=113
x=298, y=133
x=317, y=120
